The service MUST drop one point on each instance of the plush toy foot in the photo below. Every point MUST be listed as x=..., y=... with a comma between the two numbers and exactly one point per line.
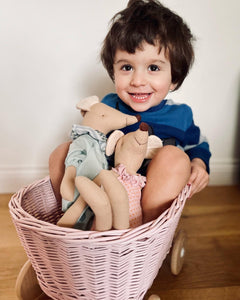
x=27, y=287
x=154, y=297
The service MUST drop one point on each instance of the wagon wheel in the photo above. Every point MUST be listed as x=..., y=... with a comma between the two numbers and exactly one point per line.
x=178, y=252
x=27, y=287
x=154, y=297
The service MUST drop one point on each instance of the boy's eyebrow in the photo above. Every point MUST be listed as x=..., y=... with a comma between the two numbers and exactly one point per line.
x=150, y=62
x=158, y=61
x=121, y=61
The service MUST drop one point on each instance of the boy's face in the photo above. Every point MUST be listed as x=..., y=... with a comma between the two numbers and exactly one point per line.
x=142, y=79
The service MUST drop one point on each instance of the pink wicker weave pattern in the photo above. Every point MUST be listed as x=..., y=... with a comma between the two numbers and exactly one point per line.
x=73, y=264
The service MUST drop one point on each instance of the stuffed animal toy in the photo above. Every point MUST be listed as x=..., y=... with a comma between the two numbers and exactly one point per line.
x=114, y=195
x=86, y=156
x=130, y=151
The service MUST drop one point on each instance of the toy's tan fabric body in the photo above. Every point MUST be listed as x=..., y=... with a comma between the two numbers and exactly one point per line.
x=106, y=194
x=104, y=119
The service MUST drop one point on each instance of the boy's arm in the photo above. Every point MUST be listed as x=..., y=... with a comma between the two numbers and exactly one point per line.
x=200, y=150
x=197, y=148
x=199, y=177
x=199, y=155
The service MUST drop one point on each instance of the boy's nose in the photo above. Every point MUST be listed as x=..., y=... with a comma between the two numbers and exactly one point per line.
x=138, y=79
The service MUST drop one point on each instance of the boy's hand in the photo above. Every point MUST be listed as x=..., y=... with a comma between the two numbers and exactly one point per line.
x=199, y=177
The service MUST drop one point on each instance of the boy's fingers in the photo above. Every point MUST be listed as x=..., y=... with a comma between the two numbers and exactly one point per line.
x=192, y=178
x=198, y=184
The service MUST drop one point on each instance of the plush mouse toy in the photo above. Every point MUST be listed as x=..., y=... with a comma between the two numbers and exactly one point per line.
x=130, y=151
x=86, y=156
x=114, y=195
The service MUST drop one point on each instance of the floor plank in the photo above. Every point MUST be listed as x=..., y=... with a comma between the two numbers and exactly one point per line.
x=227, y=293
x=210, y=262
x=12, y=254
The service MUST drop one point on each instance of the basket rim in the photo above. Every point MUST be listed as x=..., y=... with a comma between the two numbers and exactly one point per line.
x=24, y=219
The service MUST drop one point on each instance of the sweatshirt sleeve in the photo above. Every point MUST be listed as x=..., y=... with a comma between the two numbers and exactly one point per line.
x=196, y=144
x=200, y=151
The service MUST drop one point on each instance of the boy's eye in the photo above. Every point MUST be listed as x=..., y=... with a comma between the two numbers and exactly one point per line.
x=153, y=68
x=126, y=68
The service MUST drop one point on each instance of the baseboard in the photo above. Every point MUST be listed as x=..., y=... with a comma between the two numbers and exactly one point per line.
x=12, y=178
x=225, y=172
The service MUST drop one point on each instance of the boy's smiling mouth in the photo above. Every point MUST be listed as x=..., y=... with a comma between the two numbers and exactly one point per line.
x=140, y=97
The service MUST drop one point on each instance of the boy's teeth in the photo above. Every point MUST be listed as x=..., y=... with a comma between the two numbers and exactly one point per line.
x=140, y=96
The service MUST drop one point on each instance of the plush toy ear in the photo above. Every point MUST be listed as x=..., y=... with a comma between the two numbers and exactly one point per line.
x=86, y=103
x=154, y=143
x=112, y=141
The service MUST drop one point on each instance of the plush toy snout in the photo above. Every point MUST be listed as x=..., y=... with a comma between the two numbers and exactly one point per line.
x=141, y=135
x=102, y=117
x=143, y=126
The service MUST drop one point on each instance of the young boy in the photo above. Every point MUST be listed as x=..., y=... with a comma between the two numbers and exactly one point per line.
x=148, y=52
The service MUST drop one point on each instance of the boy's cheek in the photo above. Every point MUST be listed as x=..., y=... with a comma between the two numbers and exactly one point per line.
x=120, y=83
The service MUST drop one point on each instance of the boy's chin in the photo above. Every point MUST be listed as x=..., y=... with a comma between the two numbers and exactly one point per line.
x=140, y=107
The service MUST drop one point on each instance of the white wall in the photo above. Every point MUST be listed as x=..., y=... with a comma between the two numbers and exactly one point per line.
x=49, y=60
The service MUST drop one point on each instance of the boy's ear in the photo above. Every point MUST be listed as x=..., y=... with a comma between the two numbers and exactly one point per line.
x=154, y=143
x=172, y=87
x=86, y=103
x=112, y=141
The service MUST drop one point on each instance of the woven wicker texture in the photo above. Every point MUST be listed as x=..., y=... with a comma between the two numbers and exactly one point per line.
x=74, y=264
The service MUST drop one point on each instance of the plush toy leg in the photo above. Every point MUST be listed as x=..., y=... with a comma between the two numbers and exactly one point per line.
x=27, y=287
x=71, y=216
x=98, y=200
x=67, y=187
x=118, y=197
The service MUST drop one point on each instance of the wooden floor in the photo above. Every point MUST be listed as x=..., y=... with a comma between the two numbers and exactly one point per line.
x=212, y=265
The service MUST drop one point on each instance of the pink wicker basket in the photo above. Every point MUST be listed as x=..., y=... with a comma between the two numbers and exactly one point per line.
x=74, y=264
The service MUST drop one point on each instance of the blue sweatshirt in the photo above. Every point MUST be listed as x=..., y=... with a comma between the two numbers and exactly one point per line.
x=168, y=120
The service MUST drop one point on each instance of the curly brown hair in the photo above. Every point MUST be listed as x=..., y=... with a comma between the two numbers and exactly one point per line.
x=149, y=21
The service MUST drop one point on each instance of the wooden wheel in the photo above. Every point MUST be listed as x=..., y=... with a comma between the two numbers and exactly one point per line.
x=27, y=287
x=178, y=252
x=154, y=297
